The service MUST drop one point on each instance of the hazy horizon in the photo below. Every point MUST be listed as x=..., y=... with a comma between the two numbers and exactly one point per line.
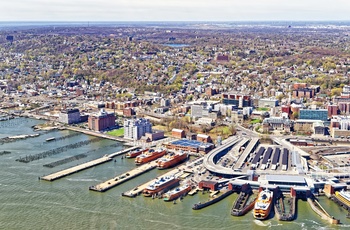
x=171, y=10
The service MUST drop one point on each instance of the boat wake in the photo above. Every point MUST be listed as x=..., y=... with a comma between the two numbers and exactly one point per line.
x=262, y=224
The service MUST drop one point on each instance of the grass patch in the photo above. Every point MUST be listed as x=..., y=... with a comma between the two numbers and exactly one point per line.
x=116, y=132
x=263, y=109
x=255, y=121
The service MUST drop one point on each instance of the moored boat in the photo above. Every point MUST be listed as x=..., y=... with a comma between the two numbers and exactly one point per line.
x=171, y=159
x=263, y=205
x=150, y=155
x=176, y=193
x=50, y=139
x=161, y=185
x=135, y=152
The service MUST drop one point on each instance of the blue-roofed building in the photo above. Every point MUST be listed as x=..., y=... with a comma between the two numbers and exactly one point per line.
x=190, y=145
x=314, y=114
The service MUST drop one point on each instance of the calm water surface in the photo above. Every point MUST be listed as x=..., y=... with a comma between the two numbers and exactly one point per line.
x=28, y=203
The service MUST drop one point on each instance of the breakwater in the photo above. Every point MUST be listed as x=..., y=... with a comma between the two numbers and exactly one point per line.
x=17, y=138
x=58, y=150
x=4, y=152
x=65, y=160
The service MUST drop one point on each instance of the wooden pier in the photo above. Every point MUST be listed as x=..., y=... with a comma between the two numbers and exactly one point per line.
x=84, y=166
x=75, y=169
x=123, y=177
x=138, y=190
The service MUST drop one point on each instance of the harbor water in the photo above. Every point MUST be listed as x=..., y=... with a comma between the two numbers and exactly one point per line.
x=67, y=203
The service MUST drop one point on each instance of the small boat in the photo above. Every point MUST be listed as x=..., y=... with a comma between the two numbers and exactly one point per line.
x=50, y=139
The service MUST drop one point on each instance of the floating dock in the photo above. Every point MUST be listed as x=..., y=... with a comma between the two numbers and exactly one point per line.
x=75, y=169
x=123, y=177
x=84, y=166
x=138, y=190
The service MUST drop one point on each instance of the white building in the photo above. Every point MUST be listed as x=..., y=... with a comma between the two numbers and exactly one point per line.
x=136, y=128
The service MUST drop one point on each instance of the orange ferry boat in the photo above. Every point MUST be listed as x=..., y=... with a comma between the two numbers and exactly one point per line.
x=171, y=159
x=176, y=193
x=263, y=205
x=135, y=152
x=150, y=155
x=161, y=185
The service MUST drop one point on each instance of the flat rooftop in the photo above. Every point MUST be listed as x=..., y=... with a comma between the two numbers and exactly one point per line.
x=191, y=143
x=286, y=178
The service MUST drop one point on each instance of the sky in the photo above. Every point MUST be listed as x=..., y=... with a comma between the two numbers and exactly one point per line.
x=174, y=10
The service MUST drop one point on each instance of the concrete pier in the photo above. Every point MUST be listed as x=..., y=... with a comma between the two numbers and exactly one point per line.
x=123, y=177
x=75, y=169
x=84, y=166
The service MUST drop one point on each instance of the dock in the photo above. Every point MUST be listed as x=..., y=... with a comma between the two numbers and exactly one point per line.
x=123, y=177
x=285, y=207
x=319, y=210
x=75, y=169
x=81, y=167
x=138, y=190
x=193, y=191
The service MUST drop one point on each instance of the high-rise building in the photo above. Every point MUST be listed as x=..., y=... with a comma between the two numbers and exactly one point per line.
x=136, y=128
x=101, y=121
x=69, y=116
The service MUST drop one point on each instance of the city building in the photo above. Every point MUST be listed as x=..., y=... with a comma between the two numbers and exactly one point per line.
x=313, y=114
x=101, y=121
x=136, y=128
x=204, y=138
x=340, y=127
x=306, y=126
x=332, y=110
x=236, y=99
x=155, y=135
x=128, y=112
x=178, y=133
x=346, y=92
x=69, y=116
x=268, y=102
x=276, y=123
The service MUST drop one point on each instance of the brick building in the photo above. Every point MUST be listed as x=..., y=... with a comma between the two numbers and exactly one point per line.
x=178, y=133
x=101, y=121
